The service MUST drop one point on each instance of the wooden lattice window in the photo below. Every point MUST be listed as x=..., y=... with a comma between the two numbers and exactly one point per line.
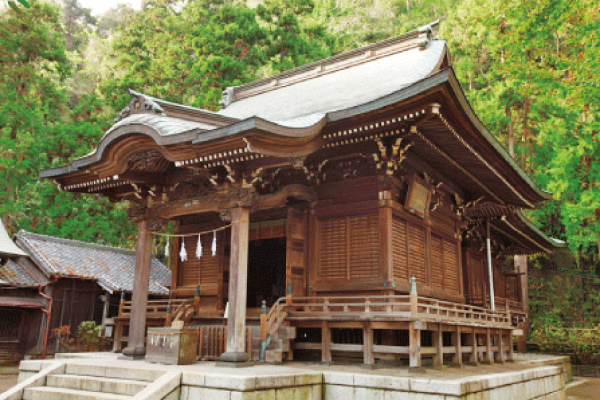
x=349, y=247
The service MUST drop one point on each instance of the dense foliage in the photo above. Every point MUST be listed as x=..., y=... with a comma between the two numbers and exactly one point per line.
x=530, y=68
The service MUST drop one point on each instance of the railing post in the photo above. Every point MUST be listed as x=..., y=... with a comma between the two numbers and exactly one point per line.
x=197, y=301
x=121, y=303
x=263, y=321
x=414, y=298
x=169, y=318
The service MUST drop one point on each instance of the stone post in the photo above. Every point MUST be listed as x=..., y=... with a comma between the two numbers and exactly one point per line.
x=136, y=346
x=238, y=278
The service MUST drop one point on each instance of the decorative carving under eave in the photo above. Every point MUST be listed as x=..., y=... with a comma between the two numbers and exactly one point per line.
x=190, y=190
x=390, y=158
x=139, y=104
x=148, y=161
x=460, y=206
x=436, y=194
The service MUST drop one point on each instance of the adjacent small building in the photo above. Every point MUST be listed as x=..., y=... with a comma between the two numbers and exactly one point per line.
x=65, y=281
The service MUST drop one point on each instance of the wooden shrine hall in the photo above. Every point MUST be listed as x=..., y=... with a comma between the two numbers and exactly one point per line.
x=352, y=207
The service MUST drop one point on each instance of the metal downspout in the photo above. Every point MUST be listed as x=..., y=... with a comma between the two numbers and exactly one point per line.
x=488, y=244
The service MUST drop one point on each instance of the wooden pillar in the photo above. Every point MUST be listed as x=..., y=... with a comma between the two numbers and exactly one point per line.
x=521, y=266
x=238, y=278
x=488, y=347
x=474, y=359
x=414, y=348
x=457, y=347
x=369, y=357
x=325, y=343
x=136, y=346
x=438, y=342
x=488, y=246
x=500, y=355
x=511, y=349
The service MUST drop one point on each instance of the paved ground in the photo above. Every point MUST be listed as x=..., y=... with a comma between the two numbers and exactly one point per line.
x=8, y=377
x=588, y=390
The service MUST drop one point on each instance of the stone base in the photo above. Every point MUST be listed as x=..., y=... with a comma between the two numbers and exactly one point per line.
x=368, y=366
x=233, y=357
x=417, y=370
x=134, y=351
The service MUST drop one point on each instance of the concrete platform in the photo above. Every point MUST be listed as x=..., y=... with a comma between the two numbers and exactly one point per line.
x=529, y=378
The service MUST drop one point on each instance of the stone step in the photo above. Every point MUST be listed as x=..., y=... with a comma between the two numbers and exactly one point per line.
x=52, y=393
x=97, y=384
x=135, y=374
x=286, y=332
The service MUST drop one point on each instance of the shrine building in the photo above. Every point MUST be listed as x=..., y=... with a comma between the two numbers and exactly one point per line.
x=355, y=207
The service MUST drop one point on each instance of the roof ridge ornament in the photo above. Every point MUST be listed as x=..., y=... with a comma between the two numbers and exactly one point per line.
x=227, y=97
x=426, y=34
x=139, y=104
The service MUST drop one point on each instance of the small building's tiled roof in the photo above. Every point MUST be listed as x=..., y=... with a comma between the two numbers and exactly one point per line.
x=7, y=246
x=14, y=272
x=111, y=267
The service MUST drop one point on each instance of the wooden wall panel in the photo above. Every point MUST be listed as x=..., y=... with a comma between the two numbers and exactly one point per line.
x=363, y=232
x=437, y=262
x=400, y=249
x=333, y=248
x=349, y=247
x=451, y=266
x=417, y=245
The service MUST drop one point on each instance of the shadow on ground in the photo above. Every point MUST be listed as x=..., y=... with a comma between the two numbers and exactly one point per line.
x=588, y=390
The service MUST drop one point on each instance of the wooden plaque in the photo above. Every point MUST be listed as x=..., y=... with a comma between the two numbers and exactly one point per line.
x=418, y=196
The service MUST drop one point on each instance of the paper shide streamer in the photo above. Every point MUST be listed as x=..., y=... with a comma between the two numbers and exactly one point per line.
x=183, y=254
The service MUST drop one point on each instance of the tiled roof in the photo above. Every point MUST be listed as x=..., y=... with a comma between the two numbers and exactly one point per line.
x=7, y=246
x=112, y=267
x=15, y=273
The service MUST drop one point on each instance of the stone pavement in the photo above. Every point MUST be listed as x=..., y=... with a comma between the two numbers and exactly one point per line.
x=589, y=389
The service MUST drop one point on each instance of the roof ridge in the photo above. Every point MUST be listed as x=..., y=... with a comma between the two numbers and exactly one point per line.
x=25, y=234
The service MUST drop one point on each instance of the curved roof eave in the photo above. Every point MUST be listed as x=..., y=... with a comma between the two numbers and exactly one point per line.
x=556, y=243
x=113, y=134
x=262, y=125
x=444, y=76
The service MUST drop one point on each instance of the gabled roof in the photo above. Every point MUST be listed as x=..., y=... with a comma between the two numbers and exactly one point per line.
x=395, y=84
x=111, y=267
x=7, y=246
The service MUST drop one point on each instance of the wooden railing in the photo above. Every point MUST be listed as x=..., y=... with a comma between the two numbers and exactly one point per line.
x=154, y=308
x=349, y=307
x=500, y=303
x=212, y=342
x=393, y=307
x=270, y=323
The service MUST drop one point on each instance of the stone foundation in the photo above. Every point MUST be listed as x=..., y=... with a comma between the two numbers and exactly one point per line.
x=528, y=379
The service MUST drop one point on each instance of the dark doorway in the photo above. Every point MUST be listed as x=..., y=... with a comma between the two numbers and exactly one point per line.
x=266, y=271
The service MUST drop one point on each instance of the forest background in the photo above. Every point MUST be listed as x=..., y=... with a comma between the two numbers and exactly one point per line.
x=530, y=69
